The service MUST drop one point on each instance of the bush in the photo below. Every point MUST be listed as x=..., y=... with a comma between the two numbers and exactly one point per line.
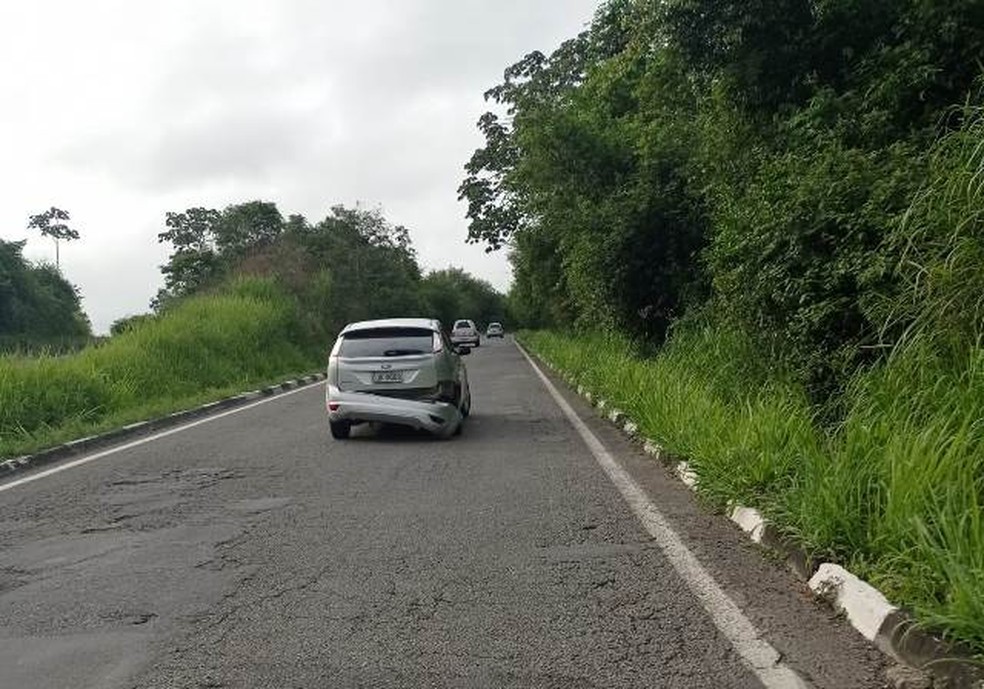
x=202, y=347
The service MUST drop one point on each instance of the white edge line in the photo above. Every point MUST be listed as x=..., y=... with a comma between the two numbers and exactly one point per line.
x=760, y=657
x=148, y=439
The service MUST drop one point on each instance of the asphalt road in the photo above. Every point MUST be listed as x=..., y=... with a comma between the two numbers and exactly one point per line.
x=254, y=551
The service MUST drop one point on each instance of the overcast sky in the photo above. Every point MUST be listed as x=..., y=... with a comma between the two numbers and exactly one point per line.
x=121, y=110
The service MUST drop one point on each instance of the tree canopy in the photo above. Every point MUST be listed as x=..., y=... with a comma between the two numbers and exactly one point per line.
x=752, y=159
x=351, y=265
x=36, y=302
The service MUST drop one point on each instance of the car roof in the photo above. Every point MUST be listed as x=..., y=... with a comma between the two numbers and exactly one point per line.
x=423, y=323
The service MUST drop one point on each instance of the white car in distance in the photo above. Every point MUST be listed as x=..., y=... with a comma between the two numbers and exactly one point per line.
x=465, y=332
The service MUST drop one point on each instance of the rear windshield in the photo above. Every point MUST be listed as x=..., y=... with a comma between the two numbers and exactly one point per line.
x=386, y=342
x=462, y=324
x=495, y=325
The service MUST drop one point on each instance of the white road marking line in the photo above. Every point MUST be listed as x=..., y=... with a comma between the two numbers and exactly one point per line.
x=747, y=641
x=150, y=438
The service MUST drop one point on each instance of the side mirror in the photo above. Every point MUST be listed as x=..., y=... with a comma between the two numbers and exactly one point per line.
x=463, y=350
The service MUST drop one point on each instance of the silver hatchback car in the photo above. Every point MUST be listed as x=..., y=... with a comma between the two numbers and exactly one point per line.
x=465, y=332
x=397, y=370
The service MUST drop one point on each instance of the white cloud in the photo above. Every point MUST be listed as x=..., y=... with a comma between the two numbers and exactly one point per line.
x=120, y=111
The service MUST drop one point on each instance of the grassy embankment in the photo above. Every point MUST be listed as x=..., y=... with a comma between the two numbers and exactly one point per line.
x=209, y=346
x=894, y=491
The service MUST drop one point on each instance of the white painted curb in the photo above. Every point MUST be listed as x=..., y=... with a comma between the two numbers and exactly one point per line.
x=864, y=605
x=653, y=449
x=750, y=520
x=686, y=474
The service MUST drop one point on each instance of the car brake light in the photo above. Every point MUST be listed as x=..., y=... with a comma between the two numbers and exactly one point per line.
x=333, y=406
x=438, y=343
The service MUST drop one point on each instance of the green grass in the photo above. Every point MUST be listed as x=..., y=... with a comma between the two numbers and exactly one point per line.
x=207, y=347
x=894, y=491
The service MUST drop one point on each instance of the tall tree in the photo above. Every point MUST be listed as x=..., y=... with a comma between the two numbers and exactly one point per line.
x=53, y=223
x=194, y=261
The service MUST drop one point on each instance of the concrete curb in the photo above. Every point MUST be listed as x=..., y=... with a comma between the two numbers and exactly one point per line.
x=864, y=605
x=134, y=430
x=933, y=662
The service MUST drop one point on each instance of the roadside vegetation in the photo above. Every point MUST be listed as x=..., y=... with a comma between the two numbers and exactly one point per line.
x=39, y=308
x=893, y=491
x=759, y=228
x=208, y=346
x=249, y=298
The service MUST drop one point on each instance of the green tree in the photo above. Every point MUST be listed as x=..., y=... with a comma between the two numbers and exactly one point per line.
x=452, y=293
x=194, y=261
x=372, y=263
x=572, y=175
x=247, y=227
x=207, y=244
x=53, y=223
x=758, y=155
x=36, y=302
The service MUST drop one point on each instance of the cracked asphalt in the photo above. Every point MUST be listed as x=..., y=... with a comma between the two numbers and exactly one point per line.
x=254, y=551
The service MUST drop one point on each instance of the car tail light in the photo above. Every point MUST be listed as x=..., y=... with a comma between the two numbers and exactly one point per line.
x=333, y=406
x=438, y=343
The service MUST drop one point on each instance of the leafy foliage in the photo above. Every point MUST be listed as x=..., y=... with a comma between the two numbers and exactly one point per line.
x=352, y=265
x=452, y=293
x=53, y=223
x=36, y=301
x=758, y=155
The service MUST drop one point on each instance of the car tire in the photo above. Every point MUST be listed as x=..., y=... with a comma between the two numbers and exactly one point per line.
x=340, y=429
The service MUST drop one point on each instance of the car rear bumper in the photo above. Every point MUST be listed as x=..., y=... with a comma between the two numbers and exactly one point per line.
x=465, y=340
x=436, y=417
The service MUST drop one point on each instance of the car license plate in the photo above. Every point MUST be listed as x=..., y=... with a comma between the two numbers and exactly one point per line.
x=387, y=376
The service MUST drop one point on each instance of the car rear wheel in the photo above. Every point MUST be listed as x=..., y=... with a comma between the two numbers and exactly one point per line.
x=340, y=429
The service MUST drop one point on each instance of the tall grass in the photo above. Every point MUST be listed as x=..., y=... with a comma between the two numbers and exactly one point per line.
x=208, y=345
x=894, y=491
